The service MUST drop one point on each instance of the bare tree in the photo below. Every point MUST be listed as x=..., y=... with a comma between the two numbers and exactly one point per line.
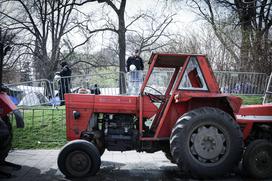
x=253, y=17
x=120, y=28
x=5, y=46
x=202, y=41
x=146, y=37
x=46, y=22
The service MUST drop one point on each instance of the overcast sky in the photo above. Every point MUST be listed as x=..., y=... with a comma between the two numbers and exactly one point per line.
x=183, y=20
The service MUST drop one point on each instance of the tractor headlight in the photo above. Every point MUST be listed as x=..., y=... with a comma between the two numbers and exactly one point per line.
x=76, y=115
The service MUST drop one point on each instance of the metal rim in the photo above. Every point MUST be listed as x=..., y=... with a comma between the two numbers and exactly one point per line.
x=78, y=163
x=208, y=144
x=263, y=161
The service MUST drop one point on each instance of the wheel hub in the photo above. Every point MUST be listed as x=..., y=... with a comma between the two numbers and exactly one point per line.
x=207, y=144
x=78, y=163
x=263, y=160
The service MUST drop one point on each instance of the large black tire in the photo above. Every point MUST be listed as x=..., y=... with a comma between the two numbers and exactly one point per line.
x=79, y=158
x=257, y=159
x=97, y=139
x=167, y=152
x=169, y=156
x=206, y=142
x=5, y=141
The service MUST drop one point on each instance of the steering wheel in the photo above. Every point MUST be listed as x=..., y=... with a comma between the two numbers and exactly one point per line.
x=152, y=97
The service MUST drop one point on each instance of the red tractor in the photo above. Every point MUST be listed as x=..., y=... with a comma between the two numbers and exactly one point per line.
x=187, y=117
x=256, y=122
x=7, y=107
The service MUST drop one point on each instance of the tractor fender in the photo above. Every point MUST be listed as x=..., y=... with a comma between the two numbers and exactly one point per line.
x=253, y=116
x=7, y=106
x=228, y=103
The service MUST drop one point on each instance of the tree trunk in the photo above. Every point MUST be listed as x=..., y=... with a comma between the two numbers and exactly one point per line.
x=122, y=47
x=1, y=61
x=245, y=51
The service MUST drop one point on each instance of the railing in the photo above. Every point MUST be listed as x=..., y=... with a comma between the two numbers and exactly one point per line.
x=108, y=83
x=45, y=124
x=268, y=91
x=44, y=128
x=44, y=92
x=243, y=83
x=31, y=93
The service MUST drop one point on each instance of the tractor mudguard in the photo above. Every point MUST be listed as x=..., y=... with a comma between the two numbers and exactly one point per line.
x=233, y=101
x=7, y=106
x=4, y=131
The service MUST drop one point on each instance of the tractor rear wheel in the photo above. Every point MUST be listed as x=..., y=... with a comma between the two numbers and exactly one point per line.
x=169, y=156
x=167, y=152
x=206, y=142
x=257, y=159
x=5, y=140
x=79, y=158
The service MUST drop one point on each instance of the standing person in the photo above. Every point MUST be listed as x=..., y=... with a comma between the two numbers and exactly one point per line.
x=135, y=67
x=65, y=81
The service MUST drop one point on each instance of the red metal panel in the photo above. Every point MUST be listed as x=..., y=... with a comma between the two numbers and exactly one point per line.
x=115, y=104
x=86, y=104
x=259, y=110
x=186, y=101
x=167, y=96
x=255, y=113
x=75, y=127
x=102, y=103
x=6, y=105
x=161, y=131
x=175, y=111
x=247, y=130
x=154, y=59
x=183, y=96
x=170, y=60
x=149, y=109
x=208, y=74
x=82, y=103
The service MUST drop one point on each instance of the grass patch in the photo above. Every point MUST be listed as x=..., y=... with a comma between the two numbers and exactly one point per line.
x=44, y=128
x=248, y=100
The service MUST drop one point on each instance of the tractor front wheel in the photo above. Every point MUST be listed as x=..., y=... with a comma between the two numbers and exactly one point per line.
x=79, y=158
x=206, y=142
x=5, y=138
x=257, y=159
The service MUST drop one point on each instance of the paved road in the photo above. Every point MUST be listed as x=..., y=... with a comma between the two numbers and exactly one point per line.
x=40, y=165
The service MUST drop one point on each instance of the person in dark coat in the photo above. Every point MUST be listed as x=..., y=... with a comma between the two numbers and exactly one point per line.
x=135, y=60
x=135, y=67
x=65, y=81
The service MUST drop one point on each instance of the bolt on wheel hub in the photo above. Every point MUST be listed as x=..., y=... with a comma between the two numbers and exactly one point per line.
x=207, y=144
x=78, y=163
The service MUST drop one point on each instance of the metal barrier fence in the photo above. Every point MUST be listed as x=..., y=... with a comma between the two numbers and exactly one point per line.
x=44, y=92
x=44, y=128
x=268, y=91
x=243, y=83
x=108, y=83
x=31, y=93
x=45, y=123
